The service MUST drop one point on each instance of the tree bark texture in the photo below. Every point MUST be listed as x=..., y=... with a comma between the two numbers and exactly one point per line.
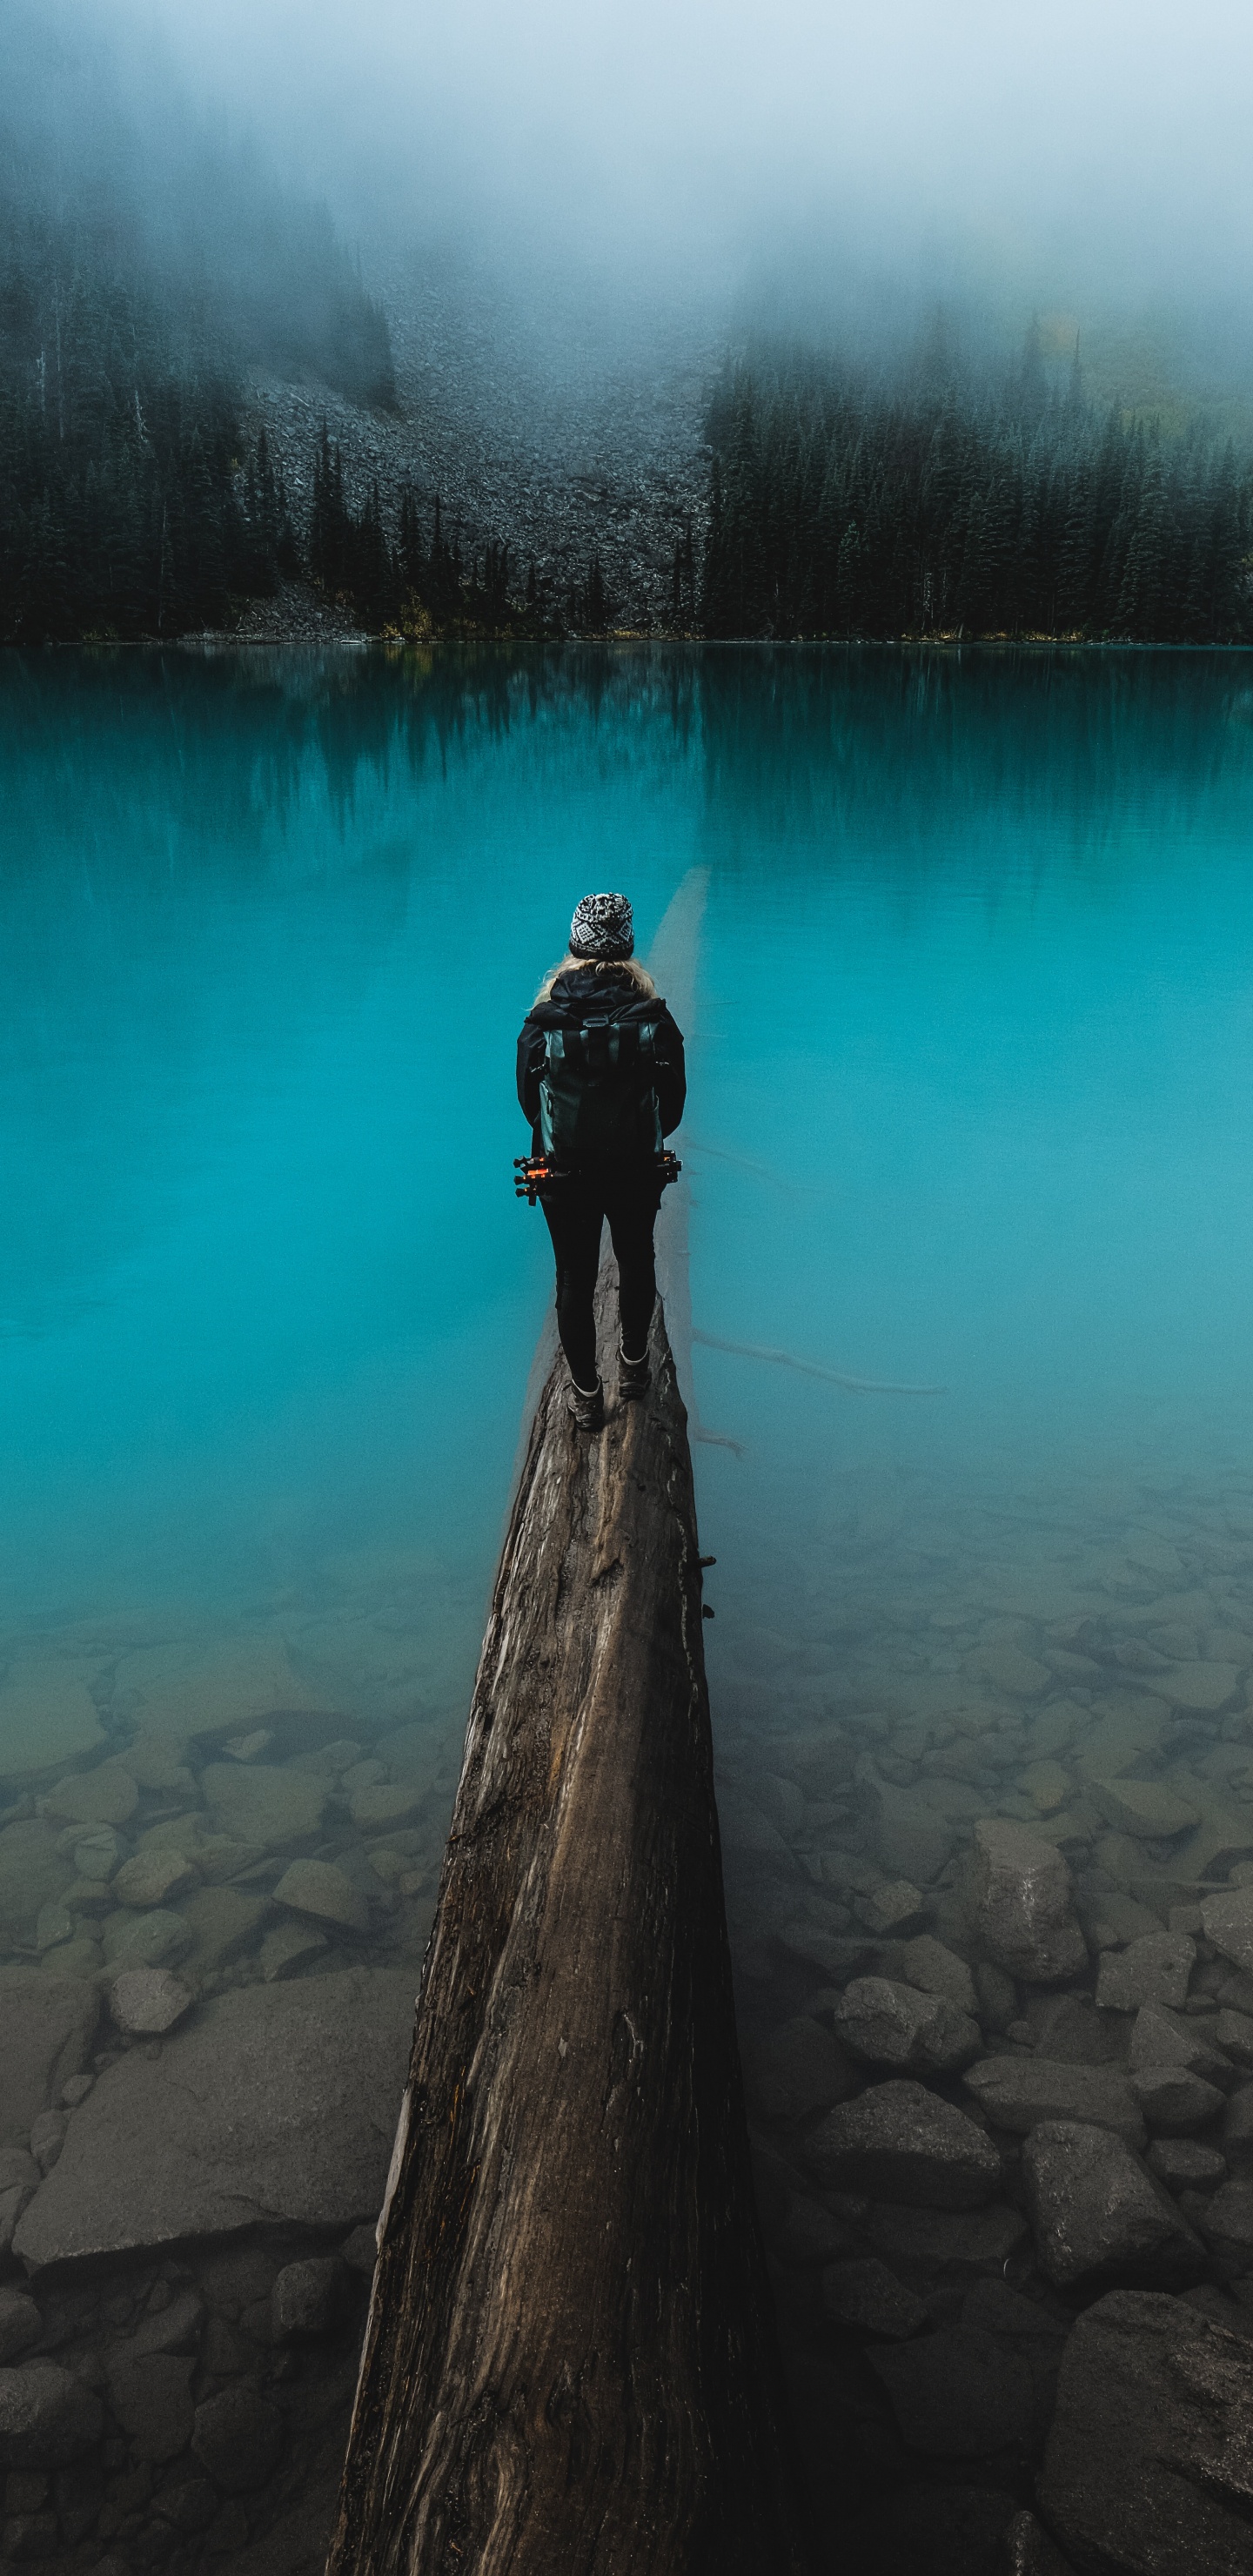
x=570, y=2364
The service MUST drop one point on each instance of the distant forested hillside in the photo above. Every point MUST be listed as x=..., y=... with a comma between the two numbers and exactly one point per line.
x=945, y=504
x=141, y=265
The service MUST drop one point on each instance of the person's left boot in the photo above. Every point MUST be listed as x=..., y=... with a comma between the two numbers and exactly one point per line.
x=588, y=1410
x=634, y=1376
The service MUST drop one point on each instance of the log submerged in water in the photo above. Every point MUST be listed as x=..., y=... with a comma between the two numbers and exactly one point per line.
x=569, y=2367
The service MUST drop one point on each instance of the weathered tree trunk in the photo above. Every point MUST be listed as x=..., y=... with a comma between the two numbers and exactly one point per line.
x=570, y=2366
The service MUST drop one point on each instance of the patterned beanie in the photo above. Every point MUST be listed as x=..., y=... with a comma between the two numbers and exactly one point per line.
x=602, y=927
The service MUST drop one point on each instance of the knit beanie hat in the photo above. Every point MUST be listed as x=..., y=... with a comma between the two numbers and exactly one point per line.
x=602, y=927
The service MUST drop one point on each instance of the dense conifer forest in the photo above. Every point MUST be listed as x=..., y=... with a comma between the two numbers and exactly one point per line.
x=138, y=274
x=948, y=504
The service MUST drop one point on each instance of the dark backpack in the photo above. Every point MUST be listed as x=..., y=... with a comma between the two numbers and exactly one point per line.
x=597, y=1094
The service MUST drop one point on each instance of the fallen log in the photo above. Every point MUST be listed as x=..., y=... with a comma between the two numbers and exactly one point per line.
x=569, y=2366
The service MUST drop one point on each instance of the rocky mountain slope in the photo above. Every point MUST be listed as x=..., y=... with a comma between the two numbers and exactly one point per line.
x=569, y=427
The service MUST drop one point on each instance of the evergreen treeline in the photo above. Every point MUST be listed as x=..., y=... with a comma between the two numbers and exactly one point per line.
x=138, y=271
x=408, y=585
x=124, y=508
x=946, y=506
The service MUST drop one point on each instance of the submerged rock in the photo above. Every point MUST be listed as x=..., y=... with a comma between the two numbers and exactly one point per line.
x=1153, y=1970
x=239, y=2438
x=47, y=2024
x=891, y=2025
x=937, y=1970
x=1228, y=1921
x=279, y=2103
x=152, y=1940
x=1147, y=2469
x=1020, y=2092
x=964, y=2392
x=1147, y=1808
x=1161, y=2039
x=1184, y=2165
x=1018, y=1891
x=262, y=1804
x=1097, y=2215
x=47, y=2418
x=148, y=2001
x=865, y=2296
x=1173, y=2101
x=153, y=1877
x=967, y=2244
x=20, y=2324
x=308, y=2298
x=898, y=2142
x=106, y=1796
x=316, y=1887
x=799, y=2069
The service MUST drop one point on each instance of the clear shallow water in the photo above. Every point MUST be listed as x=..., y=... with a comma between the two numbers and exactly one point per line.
x=975, y=1003
x=971, y=1111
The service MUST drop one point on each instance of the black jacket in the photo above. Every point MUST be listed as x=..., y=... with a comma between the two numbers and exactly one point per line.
x=566, y=1006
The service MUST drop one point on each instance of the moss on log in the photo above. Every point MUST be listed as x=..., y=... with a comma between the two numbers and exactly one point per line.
x=570, y=2366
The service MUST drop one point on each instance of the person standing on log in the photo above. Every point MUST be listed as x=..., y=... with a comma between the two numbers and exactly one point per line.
x=601, y=1079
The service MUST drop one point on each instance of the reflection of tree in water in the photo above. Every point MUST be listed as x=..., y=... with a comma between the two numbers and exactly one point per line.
x=956, y=758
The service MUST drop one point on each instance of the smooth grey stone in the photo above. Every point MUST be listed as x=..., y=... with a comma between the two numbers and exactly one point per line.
x=937, y=1970
x=175, y=2328
x=1154, y=1970
x=962, y=2393
x=1184, y=2165
x=865, y=2296
x=150, y=2394
x=308, y=2298
x=318, y=1888
x=1173, y=2101
x=47, y=2418
x=1097, y=2215
x=1228, y=1921
x=239, y=2439
x=277, y=2103
x=1146, y=2471
x=997, y=1993
x=1235, y=2135
x=1018, y=1892
x=1233, y=2033
x=148, y=2001
x=892, y=2025
x=1159, y=2039
x=1227, y=2222
x=804, y=2234
x=899, y=2142
x=1019, y=2092
x=20, y=2324
x=956, y=2244
x=47, y=2025
x=799, y=2069
x=1069, y=2030
x=265, y=1804
x=153, y=1940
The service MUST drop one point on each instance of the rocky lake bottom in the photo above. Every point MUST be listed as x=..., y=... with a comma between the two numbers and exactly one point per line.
x=986, y=1794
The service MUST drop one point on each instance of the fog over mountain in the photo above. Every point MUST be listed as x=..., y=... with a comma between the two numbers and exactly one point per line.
x=504, y=258
x=1086, y=156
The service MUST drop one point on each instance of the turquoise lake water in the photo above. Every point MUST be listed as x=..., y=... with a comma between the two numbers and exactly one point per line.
x=971, y=1109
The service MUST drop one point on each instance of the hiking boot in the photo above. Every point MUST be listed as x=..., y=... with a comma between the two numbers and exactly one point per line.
x=588, y=1410
x=634, y=1376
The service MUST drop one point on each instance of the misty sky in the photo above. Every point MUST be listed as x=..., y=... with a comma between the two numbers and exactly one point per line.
x=822, y=165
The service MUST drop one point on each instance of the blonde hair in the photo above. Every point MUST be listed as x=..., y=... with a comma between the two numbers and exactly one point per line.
x=631, y=966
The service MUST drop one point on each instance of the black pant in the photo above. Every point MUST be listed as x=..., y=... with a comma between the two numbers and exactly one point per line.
x=576, y=1209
